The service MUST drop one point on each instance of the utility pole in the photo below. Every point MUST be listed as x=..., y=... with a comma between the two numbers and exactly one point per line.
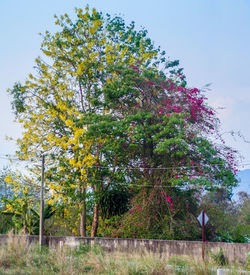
x=41, y=204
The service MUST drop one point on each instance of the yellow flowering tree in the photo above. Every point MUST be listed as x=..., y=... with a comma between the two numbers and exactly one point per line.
x=57, y=103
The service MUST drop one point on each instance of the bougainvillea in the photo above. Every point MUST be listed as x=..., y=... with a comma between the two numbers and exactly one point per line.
x=166, y=131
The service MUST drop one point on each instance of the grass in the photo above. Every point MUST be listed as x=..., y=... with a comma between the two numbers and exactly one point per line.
x=17, y=257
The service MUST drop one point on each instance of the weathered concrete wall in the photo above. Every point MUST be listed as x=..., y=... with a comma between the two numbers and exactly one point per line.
x=234, y=252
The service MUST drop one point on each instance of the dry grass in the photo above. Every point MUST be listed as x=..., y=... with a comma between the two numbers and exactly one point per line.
x=17, y=257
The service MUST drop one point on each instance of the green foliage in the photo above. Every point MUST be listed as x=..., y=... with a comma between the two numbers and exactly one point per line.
x=28, y=220
x=178, y=261
x=173, y=219
x=6, y=223
x=228, y=219
x=49, y=211
x=18, y=103
x=114, y=201
x=248, y=261
x=114, y=115
x=219, y=258
x=81, y=250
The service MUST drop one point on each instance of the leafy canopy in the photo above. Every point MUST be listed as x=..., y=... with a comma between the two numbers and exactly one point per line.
x=109, y=110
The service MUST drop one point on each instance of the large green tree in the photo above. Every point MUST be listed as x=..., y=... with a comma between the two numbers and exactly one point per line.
x=162, y=139
x=109, y=110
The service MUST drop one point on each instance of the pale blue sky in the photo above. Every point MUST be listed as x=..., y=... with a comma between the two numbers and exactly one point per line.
x=211, y=38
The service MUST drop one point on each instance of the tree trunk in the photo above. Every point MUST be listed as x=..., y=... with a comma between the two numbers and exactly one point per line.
x=83, y=212
x=95, y=220
x=83, y=223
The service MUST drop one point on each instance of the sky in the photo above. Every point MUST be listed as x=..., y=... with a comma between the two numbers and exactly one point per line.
x=211, y=38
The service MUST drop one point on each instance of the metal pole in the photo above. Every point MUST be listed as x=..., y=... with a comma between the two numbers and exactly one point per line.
x=203, y=235
x=41, y=205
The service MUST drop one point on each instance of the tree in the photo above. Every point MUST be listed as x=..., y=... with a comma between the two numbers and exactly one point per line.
x=161, y=125
x=108, y=109
x=54, y=104
x=228, y=220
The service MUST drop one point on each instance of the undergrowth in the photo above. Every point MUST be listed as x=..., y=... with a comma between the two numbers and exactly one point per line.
x=17, y=256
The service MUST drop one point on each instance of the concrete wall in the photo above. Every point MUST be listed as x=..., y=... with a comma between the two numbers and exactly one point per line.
x=233, y=252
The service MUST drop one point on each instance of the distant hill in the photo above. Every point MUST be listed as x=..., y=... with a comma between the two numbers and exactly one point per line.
x=244, y=184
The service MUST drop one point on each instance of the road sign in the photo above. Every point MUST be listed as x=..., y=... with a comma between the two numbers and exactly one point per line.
x=203, y=219
x=199, y=218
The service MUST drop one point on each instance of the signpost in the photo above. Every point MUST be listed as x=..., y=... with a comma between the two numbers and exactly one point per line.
x=203, y=219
